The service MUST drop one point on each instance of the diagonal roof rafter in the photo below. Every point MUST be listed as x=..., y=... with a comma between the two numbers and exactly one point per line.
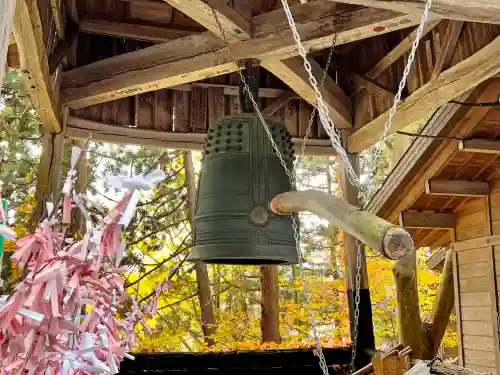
x=205, y=55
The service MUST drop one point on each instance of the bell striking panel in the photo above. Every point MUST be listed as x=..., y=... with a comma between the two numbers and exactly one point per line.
x=240, y=174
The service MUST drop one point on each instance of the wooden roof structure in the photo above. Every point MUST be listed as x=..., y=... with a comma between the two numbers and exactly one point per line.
x=123, y=68
x=438, y=176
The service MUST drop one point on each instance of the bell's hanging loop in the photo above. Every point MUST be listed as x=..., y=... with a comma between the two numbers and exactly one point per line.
x=240, y=175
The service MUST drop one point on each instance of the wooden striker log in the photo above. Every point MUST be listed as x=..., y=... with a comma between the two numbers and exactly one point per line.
x=392, y=241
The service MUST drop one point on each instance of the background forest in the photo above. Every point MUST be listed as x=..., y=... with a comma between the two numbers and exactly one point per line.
x=211, y=307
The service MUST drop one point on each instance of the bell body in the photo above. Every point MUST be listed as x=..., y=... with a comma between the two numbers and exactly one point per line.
x=240, y=174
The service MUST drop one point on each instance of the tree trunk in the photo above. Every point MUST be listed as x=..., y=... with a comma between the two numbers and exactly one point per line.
x=207, y=311
x=269, y=321
x=79, y=224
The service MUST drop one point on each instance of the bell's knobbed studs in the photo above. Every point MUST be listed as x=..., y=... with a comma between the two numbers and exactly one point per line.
x=241, y=173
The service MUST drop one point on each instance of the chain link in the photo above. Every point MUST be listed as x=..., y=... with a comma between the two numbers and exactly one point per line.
x=402, y=84
x=295, y=225
x=322, y=110
x=357, y=299
x=329, y=127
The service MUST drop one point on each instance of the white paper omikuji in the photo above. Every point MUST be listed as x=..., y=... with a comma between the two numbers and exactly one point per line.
x=60, y=318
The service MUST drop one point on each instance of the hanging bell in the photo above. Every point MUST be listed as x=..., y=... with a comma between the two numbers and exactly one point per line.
x=240, y=174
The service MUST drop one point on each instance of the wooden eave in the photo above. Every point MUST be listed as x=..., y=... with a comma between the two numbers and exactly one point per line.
x=428, y=158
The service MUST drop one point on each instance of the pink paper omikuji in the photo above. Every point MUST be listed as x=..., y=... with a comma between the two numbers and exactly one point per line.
x=61, y=318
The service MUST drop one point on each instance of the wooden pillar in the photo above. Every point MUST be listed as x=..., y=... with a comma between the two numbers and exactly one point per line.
x=269, y=302
x=49, y=172
x=366, y=340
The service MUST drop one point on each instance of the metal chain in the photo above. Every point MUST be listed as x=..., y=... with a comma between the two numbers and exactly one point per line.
x=322, y=110
x=295, y=226
x=321, y=84
x=402, y=84
x=329, y=127
x=324, y=115
x=357, y=299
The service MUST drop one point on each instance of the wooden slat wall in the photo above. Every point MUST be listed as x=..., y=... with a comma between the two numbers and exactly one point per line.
x=194, y=111
x=477, y=275
x=473, y=37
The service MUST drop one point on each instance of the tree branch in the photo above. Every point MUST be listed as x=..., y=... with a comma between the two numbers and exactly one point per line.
x=162, y=228
x=443, y=305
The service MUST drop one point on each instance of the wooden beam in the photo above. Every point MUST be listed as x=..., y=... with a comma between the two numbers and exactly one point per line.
x=279, y=103
x=370, y=85
x=450, y=42
x=451, y=83
x=486, y=11
x=435, y=261
x=28, y=32
x=403, y=47
x=480, y=146
x=457, y=188
x=202, y=56
x=476, y=243
x=78, y=128
x=292, y=72
x=235, y=26
x=232, y=90
x=132, y=31
x=434, y=220
x=55, y=5
x=63, y=47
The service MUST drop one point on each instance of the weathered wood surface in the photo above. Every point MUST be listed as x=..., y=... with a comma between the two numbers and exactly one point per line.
x=29, y=36
x=201, y=56
x=452, y=82
x=487, y=11
x=378, y=234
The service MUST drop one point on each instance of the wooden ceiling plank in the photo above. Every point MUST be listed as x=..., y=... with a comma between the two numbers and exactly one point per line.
x=403, y=47
x=450, y=42
x=485, y=11
x=433, y=220
x=132, y=31
x=28, y=32
x=202, y=56
x=480, y=146
x=294, y=75
x=452, y=82
x=235, y=26
x=459, y=188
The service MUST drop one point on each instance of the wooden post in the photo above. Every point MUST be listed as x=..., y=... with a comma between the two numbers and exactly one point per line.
x=269, y=321
x=7, y=11
x=366, y=340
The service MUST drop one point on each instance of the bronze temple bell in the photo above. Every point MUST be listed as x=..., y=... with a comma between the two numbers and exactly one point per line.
x=240, y=174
